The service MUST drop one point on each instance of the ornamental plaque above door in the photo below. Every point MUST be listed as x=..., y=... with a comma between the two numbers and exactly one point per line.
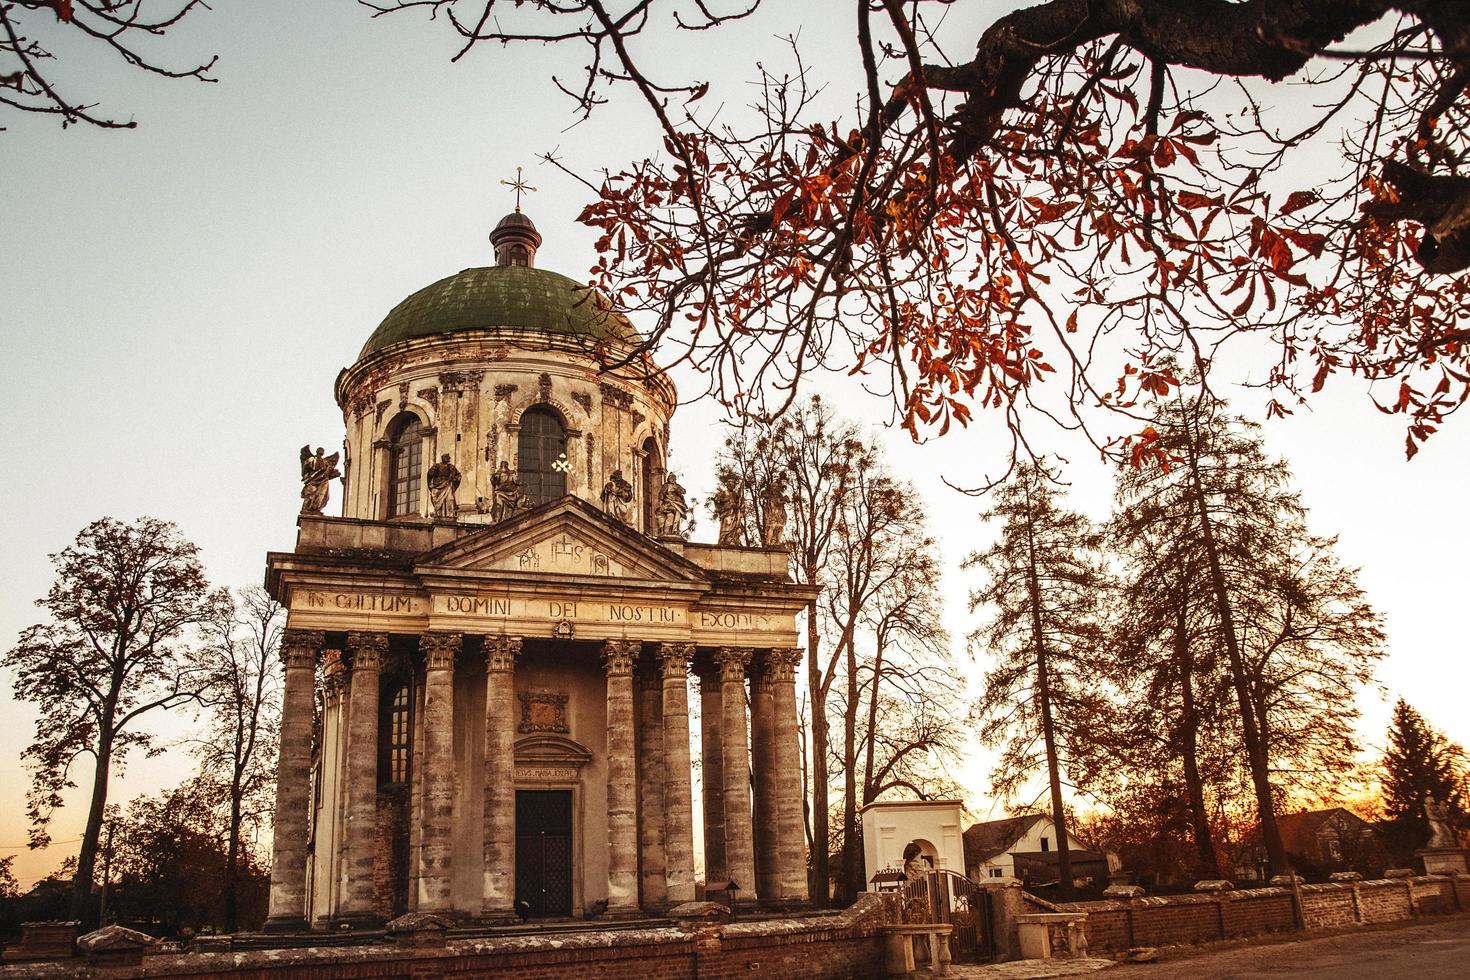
x=543, y=711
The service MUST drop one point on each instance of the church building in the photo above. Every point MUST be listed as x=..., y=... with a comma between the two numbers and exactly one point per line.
x=492, y=655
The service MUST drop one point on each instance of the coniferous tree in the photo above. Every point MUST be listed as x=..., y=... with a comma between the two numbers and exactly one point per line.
x=1043, y=588
x=1267, y=608
x=1418, y=763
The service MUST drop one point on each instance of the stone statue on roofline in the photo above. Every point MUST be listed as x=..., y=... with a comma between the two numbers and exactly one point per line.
x=728, y=505
x=506, y=496
x=672, y=514
x=773, y=512
x=444, y=480
x=617, y=496
x=317, y=473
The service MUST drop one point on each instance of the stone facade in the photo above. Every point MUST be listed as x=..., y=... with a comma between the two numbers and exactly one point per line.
x=505, y=715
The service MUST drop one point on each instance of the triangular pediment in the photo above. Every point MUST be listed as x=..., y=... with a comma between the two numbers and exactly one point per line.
x=567, y=537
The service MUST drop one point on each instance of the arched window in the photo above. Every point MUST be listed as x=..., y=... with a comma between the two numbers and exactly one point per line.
x=653, y=480
x=543, y=441
x=400, y=735
x=405, y=465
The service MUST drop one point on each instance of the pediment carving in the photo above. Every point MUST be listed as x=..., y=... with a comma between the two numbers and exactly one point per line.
x=571, y=538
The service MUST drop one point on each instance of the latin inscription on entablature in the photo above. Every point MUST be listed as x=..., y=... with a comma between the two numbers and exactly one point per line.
x=393, y=603
x=554, y=610
x=546, y=774
x=715, y=619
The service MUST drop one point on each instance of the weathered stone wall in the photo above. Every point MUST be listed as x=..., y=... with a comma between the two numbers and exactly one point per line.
x=844, y=944
x=1181, y=919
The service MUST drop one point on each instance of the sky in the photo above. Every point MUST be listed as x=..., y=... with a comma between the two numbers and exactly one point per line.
x=176, y=301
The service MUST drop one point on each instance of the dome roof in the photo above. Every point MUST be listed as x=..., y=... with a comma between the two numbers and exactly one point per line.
x=503, y=297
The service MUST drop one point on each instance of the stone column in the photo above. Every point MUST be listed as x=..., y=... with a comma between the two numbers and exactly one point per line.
x=622, y=789
x=299, y=652
x=651, y=764
x=762, y=751
x=359, y=906
x=678, y=794
x=712, y=778
x=739, y=842
x=498, y=845
x=781, y=664
x=436, y=833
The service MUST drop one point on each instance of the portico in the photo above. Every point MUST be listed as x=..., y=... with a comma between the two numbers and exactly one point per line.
x=506, y=719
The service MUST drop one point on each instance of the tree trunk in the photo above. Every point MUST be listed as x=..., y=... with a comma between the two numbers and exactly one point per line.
x=232, y=864
x=820, y=889
x=850, y=873
x=82, y=908
x=1204, y=841
x=1048, y=733
x=1259, y=764
x=870, y=747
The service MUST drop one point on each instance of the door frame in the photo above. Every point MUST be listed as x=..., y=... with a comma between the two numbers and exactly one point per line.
x=576, y=860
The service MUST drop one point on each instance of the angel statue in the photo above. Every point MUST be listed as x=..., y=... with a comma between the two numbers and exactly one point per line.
x=673, y=508
x=317, y=474
x=617, y=495
x=444, y=479
x=506, y=496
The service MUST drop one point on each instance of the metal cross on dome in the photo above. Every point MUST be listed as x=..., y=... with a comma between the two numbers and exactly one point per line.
x=520, y=186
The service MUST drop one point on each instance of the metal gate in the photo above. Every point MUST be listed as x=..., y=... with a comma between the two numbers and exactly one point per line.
x=944, y=896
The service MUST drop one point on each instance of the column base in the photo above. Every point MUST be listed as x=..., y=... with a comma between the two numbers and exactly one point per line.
x=498, y=917
x=357, y=922
x=622, y=912
x=787, y=905
x=285, y=923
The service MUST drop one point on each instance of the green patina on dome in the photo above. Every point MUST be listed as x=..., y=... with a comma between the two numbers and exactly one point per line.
x=503, y=297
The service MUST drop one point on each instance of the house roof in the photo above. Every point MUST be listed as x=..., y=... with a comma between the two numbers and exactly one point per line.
x=1300, y=830
x=985, y=840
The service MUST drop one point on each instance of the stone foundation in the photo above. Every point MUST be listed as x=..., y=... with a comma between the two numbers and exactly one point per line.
x=843, y=944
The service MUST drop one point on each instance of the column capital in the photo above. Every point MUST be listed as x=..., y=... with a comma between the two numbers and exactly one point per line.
x=501, y=651
x=440, y=649
x=732, y=661
x=618, y=656
x=781, y=664
x=675, y=658
x=300, y=648
x=367, y=649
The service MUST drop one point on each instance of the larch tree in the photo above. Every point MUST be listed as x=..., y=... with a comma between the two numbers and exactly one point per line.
x=237, y=749
x=1419, y=762
x=124, y=608
x=1043, y=590
x=1029, y=211
x=1293, y=633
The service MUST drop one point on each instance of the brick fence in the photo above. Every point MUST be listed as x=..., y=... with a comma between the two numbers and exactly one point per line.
x=842, y=944
x=1174, y=920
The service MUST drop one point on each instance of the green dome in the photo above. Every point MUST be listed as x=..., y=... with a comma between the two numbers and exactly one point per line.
x=509, y=297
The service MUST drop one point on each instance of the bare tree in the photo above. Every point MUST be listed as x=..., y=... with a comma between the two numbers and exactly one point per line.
x=1044, y=589
x=123, y=607
x=241, y=696
x=123, y=29
x=814, y=454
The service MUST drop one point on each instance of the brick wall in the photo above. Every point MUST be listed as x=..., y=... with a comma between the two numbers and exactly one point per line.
x=839, y=945
x=1181, y=919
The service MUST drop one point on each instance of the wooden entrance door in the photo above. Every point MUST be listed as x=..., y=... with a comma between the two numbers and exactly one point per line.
x=544, y=850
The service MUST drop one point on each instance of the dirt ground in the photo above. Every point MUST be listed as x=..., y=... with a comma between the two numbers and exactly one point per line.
x=1433, y=949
